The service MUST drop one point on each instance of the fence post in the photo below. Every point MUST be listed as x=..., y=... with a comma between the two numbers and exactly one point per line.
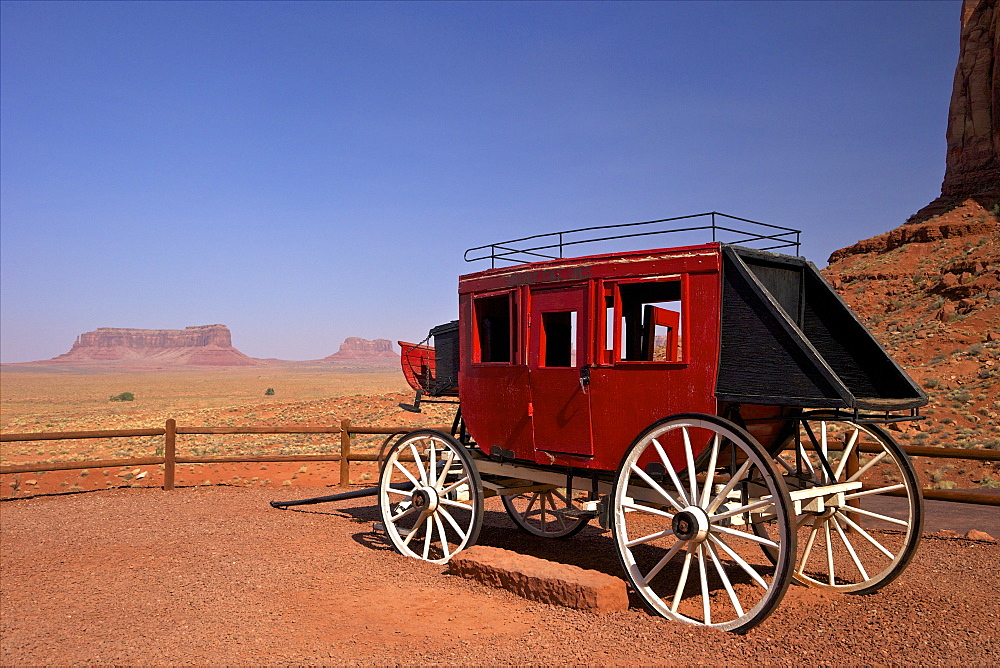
x=345, y=453
x=169, y=453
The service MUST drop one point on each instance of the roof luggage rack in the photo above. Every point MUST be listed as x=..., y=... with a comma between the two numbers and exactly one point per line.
x=550, y=246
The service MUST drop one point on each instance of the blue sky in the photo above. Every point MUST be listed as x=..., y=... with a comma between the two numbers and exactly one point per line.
x=304, y=172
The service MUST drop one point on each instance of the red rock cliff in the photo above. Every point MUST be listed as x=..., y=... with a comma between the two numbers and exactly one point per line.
x=972, y=169
x=204, y=345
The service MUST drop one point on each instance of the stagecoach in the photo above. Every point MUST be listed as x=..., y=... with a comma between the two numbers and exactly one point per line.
x=716, y=406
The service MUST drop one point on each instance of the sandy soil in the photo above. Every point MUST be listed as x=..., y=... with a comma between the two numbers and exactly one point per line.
x=214, y=575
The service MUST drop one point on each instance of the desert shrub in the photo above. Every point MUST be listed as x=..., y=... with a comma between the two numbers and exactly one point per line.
x=975, y=349
x=269, y=392
x=931, y=383
x=124, y=396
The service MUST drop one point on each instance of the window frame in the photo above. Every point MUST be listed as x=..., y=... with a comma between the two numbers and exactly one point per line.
x=612, y=355
x=513, y=323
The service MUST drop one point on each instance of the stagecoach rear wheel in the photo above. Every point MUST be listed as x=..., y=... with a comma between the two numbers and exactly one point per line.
x=863, y=542
x=430, y=496
x=685, y=540
x=547, y=513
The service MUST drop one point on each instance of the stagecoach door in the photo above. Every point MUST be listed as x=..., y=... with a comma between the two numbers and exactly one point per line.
x=558, y=371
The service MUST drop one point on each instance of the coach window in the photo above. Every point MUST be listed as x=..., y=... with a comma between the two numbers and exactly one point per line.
x=648, y=322
x=496, y=328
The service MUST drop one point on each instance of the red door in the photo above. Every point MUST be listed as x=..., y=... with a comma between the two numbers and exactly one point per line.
x=557, y=361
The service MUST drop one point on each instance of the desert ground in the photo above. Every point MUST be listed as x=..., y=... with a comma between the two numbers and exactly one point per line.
x=101, y=566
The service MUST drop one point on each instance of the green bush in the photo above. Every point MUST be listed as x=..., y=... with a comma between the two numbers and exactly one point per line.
x=124, y=396
x=269, y=392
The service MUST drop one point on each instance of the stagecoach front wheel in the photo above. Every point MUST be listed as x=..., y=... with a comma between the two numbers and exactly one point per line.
x=547, y=513
x=861, y=539
x=685, y=497
x=430, y=496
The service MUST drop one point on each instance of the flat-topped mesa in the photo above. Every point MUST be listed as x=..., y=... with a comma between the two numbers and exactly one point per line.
x=197, y=335
x=356, y=348
x=201, y=345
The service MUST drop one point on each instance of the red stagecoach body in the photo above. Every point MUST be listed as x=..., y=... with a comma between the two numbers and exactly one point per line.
x=563, y=362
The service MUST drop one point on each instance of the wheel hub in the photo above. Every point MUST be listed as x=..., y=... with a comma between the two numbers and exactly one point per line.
x=691, y=524
x=425, y=499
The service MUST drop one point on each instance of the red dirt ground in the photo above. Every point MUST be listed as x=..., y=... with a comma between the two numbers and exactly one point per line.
x=215, y=576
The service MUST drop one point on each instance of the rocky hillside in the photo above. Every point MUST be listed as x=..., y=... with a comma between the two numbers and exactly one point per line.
x=204, y=345
x=930, y=291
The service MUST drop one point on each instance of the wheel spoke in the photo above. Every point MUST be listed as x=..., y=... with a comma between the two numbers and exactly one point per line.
x=428, y=537
x=453, y=504
x=848, y=451
x=864, y=469
x=724, y=492
x=878, y=490
x=413, y=531
x=670, y=470
x=454, y=525
x=650, y=537
x=747, y=536
x=703, y=574
x=808, y=550
x=645, y=580
x=850, y=549
x=402, y=492
x=416, y=483
x=867, y=536
x=545, y=513
x=418, y=462
x=829, y=552
x=868, y=513
x=741, y=509
x=402, y=514
x=647, y=509
x=656, y=487
x=444, y=471
x=785, y=465
x=444, y=536
x=739, y=560
x=682, y=581
x=725, y=579
x=689, y=457
x=709, y=475
x=454, y=486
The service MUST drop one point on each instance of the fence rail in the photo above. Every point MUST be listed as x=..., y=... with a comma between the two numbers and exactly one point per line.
x=170, y=459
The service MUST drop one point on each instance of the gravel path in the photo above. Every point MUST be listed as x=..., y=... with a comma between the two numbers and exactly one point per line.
x=216, y=576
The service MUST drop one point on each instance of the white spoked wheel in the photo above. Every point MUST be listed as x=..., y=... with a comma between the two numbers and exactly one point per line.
x=686, y=541
x=861, y=542
x=547, y=513
x=430, y=496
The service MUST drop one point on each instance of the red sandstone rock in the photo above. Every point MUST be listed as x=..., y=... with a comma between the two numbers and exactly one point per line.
x=354, y=348
x=204, y=345
x=975, y=534
x=973, y=160
x=541, y=580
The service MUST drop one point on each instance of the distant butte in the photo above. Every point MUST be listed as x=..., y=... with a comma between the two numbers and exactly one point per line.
x=354, y=348
x=203, y=345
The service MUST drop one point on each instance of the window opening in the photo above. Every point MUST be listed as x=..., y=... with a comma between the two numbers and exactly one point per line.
x=559, y=348
x=651, y=327
x=496, y=328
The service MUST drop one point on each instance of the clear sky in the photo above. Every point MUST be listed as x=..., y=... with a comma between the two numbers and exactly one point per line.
x=304, y=172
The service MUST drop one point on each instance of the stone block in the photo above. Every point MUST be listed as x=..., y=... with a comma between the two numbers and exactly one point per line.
x=541, y=580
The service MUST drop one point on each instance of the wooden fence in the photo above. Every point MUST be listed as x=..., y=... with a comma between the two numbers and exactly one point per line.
x=170, y=458
x=345, y=456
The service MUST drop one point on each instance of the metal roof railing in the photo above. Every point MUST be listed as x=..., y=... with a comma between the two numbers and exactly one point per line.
x=552, y=245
